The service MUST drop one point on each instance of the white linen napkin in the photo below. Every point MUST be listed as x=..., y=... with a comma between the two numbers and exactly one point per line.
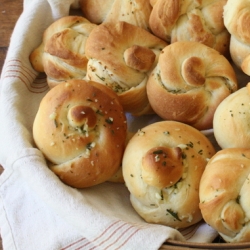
x=37, y=210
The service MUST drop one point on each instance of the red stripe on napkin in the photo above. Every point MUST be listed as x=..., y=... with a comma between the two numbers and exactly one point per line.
x=15, y=69
x=118, y=233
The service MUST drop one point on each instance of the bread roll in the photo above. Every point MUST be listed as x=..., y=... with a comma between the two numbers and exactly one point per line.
x=122, y=56
x=188, y=83
x=61, y=55
x=185, y=20
x=162, y=167
x=236, y=19
x=135, y=12
x=118, y=176
x=231, y=120
x=224, y=194
x=80, y=128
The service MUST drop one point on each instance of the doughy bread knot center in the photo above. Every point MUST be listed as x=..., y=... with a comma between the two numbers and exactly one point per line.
x=139, y=58
x=193, y=71
x=162, y=167
x=82, y=115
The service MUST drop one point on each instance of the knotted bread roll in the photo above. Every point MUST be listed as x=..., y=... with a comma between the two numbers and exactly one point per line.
x=231, y=120
x=224, y=194
x=61, y=55
x=81, y=129
x=135, y=12
x=189, y=82
x=185, y=20
x=162, y=166
x=236, y=19
x=122, y=56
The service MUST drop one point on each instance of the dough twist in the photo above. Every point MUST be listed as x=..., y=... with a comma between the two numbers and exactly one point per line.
x=188, y=83
x=121, y=56
x=224, y=194
x=135, y=12
x=236, y=19
x=185, y=20
x=61, y=55
x=162, y=166
x=81, y=129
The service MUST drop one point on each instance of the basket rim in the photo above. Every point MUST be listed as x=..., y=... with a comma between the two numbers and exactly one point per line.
x=242, y=245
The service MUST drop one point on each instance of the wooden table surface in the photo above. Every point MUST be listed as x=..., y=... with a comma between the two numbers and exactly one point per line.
x=10, y=11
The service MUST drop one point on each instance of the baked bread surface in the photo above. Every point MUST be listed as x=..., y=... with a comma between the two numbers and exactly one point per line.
x=162, y=166
x=122, y=56
x=135, y=12
x=231, y=120
x=224, y=194
x=61, y=55
x=185, y=20
x=236, y=19
x=188, y=83
x=81, y=129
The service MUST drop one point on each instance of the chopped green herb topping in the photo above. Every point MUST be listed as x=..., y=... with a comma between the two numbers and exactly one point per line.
x=101, y=78
x=99, y=112
x=158, y=151
x=56, y=124
x=190, y=144
x=200, y=152
x=174, y=214
x=109, y=120
x=238, y=199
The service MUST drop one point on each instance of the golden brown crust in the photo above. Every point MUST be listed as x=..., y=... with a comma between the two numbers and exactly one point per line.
x=81, y=129
x=109, y=52
x=198, y=21
x=224, y=194
x=231, y=120
x=163, y=18
x=139, y=58
x=61, y=55
x=236, y=19
x=162, y=166
x=189, y=82
x=135, y=12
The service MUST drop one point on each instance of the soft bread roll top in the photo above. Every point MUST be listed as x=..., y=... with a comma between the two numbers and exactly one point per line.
x=236, y=19
x=71, y=22
x=197, y=21
x=122, y=56
x=188, y=83
x=61, y=55
x=231, y=120
x=224, y=194
x=135, y=12
x=162, y=166
x=81, y=129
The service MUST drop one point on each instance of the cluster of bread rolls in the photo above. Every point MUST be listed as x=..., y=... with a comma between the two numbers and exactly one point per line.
x=119, y=44
x=167, y=58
